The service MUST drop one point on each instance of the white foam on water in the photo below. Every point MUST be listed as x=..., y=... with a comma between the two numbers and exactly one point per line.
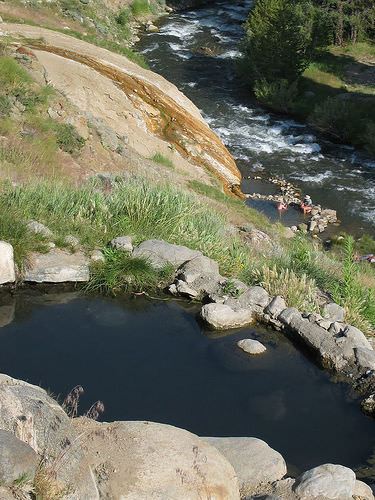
x=315, y=178
x=150, y=49
x=230, y=54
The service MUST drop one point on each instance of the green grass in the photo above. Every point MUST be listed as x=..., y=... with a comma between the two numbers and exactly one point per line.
x=12, y=75
x=139, y=7
x=163, y=160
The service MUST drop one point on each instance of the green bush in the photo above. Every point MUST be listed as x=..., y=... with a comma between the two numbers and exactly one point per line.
x=5, y=105
x=139, y=7
x=123, y=17
x=278, y=95
x=339, y=118
x=68, y=138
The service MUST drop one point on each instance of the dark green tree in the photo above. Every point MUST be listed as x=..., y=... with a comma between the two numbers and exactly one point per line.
x=281, y=37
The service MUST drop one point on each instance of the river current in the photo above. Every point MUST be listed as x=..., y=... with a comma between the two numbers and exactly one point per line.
x=196, y=50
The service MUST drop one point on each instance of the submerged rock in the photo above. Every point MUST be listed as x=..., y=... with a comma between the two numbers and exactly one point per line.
x=328, y=481
x=147, y=460
x=7, y=269
x=251, y=346
x=57, y=266
x=254, y=462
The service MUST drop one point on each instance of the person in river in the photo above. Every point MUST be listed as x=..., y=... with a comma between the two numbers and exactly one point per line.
x=307, y=204
x=282, y=205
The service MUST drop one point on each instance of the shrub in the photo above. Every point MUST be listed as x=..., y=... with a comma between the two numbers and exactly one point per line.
x=68, y=138
x=163, y=160
x=278, y=95
x=123, y=17
x=340, y=118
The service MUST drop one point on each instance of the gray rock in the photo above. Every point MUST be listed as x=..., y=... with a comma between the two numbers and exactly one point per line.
x=365, y=358
x=324, y=323
x=97, y=256
x=108, y=137
x=6, y=494
x=368, y=404
x=16, y=459
x=38, y=228
x=287, y=315
x=185, y=290
x=223, y=317
x=36, y=419
x=334, y=312
x=71, y=240
x=198, y=267
x=7, y=269
x=276, y=306
x=358, y=338
x=255, y=298
x=160, y=253
x=328, y=481
x=251, y=346
x=289, y=232
x=336, y=328
x=363, y=491
x=123, y=243
x=147, y=460
x=57, y=266
x=254, y=462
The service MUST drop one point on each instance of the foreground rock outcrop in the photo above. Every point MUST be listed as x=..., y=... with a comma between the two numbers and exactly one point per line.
x=7, y=269
x=134, y=460
x=107, y=88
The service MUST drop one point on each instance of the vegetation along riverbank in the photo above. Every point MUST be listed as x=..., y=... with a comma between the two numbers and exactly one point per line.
x=316, y=61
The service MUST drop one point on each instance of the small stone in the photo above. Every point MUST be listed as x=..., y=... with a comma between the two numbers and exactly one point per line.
x=97, y=256
x=123, y=243
x=334, y=312
x=276, y=306
x=51, y=244
x=71, y=240
x=38, y=228
x=368, y=404
x=251, y=346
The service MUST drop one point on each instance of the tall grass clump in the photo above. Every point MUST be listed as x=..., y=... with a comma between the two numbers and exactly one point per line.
x=12, y=75
x=122, y=273
x=358, y=301
x=297, y=291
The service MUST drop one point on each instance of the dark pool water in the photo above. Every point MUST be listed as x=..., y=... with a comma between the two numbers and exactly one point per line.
x=338, y=177
x=151, y=360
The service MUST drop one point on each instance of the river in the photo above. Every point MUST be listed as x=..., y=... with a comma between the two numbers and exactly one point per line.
x=336, y=176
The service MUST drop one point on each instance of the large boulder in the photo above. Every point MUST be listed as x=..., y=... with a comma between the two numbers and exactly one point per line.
x=223, y=317
x=160, y=253
x=147, y=460
x=16, y=459
x=328, y=482
x=357, y=337
x=7, y=270
x=275, y=307
x=253, y=460
x=198, y=267
x=57, y=266
x=362, y=491
x=32, y=416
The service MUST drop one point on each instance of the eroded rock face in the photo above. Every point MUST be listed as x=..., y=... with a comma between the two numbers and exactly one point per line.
x=57, y=266
x=16, y=459
x=27, y=412
x=160, y=253
x=7, y=271
x=139, y=460
x=253, y=460
x=328, y=481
